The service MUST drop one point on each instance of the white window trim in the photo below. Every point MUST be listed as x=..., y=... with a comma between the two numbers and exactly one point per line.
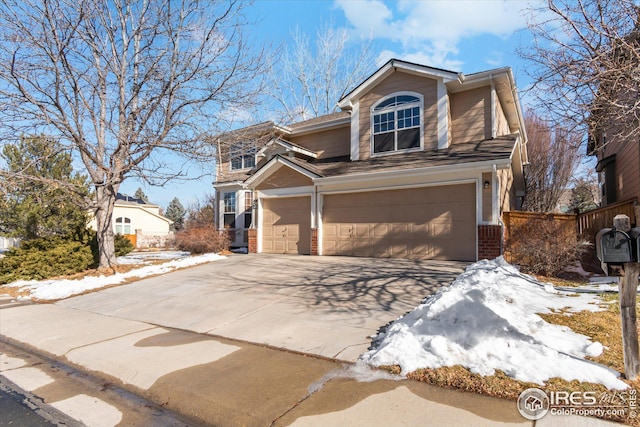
x=123, y=225
x=242, y=156
x=224, y=209
x=421, y=127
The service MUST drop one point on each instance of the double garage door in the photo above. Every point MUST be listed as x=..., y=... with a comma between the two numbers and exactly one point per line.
x=418, y=223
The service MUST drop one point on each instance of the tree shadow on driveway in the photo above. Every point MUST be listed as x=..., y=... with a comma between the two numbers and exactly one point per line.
x=344, y=284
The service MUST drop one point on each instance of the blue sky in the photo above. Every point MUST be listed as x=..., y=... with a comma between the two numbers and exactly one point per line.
x=460, y=35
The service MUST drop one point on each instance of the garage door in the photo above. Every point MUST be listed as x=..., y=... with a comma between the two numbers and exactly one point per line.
x=286, y=225
x=420, y=223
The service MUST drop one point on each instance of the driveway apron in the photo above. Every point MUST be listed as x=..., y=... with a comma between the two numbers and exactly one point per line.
x=326, y=306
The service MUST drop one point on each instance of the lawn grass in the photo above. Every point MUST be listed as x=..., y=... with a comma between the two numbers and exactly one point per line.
x=603, y=326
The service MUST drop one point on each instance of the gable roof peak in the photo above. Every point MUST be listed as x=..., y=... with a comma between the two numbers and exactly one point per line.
x=389, y=68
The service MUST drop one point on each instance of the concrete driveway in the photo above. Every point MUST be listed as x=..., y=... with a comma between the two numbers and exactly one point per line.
x=327, y=306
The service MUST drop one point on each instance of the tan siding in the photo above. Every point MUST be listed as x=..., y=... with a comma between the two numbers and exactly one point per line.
x=502, y=126
x=331, y=143
x=486, y=197
x=471, y=115
x=400, y=82
x=284, y=177
x=507, y=190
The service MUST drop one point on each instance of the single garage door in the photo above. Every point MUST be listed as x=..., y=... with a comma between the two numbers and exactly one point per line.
x=420, y=223
x=286, y=225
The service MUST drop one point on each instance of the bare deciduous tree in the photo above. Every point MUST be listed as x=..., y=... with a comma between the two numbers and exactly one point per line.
x=308, y=80
x=553, y=156
x=587, y=64
x=123, y=84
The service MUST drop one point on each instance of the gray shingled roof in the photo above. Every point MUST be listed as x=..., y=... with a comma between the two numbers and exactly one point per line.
x=491, y=149
x=319, y=120
x=494, y=149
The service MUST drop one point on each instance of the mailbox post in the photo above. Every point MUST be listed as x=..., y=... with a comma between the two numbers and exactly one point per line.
x=618, y=252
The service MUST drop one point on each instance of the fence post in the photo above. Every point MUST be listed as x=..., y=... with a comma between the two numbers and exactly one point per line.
x=627, y=291
x=628, y=288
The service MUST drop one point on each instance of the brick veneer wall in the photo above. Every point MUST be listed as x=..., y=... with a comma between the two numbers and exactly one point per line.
x=314, y=241
x=490, y=244
x=252, y=234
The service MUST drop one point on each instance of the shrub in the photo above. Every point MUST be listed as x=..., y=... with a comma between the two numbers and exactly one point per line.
x=544, y=247
x=123, y=245
x=202, y=239
x=39, y=259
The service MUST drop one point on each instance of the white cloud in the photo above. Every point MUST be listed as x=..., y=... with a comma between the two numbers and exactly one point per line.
x=433, y=29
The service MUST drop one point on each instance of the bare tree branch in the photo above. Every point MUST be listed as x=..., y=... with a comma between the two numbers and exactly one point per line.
x=308, y=81
x=554, y=156
x=586, y=66
x=123, y=83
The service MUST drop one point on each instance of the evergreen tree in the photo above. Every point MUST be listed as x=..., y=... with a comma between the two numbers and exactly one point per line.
x=582, y=196
x=45, y=197
x=176, y=213
x=141, y=196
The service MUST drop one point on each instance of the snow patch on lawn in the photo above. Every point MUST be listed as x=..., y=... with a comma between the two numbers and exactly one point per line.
x=148, y=257
x=486, y=320
x=64, y=288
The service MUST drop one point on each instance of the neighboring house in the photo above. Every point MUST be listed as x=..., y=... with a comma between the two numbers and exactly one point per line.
x=613, y=136
x=139, y=221
x=618, y=167
x=420, y=163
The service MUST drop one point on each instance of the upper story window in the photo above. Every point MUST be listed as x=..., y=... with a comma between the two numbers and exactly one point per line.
x=241, y=156
x=396, y=123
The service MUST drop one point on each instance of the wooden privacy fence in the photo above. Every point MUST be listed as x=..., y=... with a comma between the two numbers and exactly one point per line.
x=589, y=223
x=517, y=219
x=521, y=229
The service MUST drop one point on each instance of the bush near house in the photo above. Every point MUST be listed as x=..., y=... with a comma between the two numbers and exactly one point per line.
x=202, y=239
x=47, y=257
x=542, y=245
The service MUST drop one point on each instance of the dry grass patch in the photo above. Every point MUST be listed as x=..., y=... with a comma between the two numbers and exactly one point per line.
x=603, y=326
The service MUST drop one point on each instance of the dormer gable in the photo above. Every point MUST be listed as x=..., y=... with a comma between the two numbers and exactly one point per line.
x=447, y=107
x=282, y=147
x=375, y=132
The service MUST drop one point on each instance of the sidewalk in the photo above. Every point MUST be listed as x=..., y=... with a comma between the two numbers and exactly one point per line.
x=221, y=382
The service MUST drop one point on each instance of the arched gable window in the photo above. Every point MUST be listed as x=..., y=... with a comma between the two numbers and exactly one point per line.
x=396, y=123
x=123, y=225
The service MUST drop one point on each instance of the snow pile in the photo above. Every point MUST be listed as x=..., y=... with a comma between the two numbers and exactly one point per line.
x=486, y=320
x=148, y=257
x=58, y=289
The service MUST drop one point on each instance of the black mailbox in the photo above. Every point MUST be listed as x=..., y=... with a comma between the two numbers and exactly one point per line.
x=613, y=248
x=635, y=242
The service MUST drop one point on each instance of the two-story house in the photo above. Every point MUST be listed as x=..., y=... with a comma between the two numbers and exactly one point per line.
x=419, y=163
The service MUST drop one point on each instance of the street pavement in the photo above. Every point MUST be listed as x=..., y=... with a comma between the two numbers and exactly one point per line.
x=248, y=341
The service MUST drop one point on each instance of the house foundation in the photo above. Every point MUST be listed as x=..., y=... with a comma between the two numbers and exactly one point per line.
x=489, y=241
